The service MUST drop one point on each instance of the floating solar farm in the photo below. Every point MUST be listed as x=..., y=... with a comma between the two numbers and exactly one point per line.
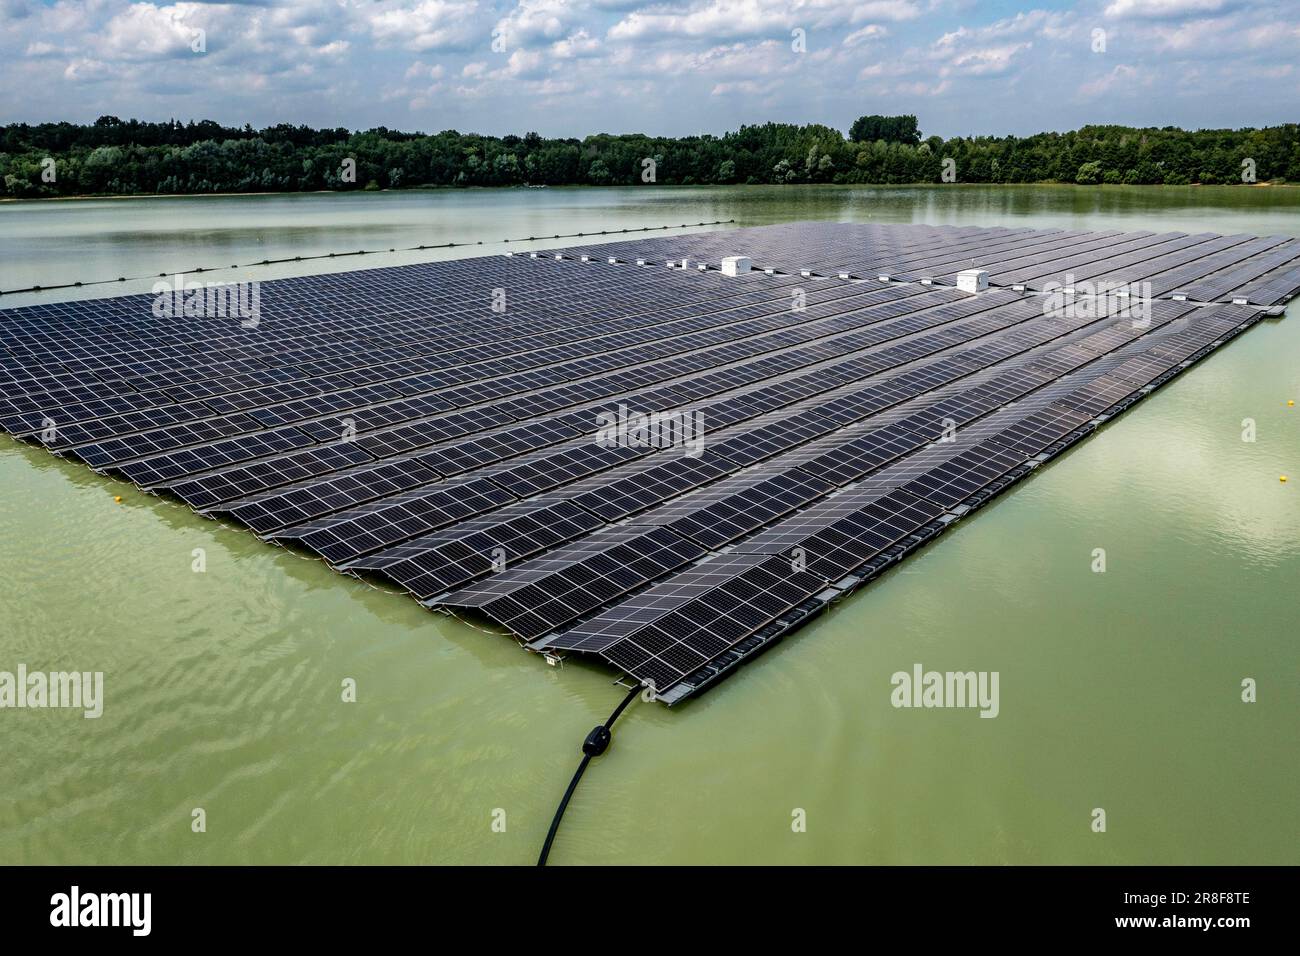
x=488, y=434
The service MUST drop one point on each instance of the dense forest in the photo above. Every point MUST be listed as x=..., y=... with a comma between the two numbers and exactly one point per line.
x=119, y=157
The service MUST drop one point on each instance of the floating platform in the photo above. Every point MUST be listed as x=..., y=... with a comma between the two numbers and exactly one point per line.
x=489, y=434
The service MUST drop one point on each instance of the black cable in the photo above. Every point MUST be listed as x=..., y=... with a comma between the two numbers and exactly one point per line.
x=597, y=743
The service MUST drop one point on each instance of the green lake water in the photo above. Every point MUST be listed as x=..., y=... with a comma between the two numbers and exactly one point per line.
x=1119, y=690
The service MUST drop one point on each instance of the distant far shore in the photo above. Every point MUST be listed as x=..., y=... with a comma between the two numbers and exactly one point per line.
x=112, y=157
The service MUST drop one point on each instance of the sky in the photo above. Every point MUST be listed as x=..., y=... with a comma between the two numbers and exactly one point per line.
x=575, y=67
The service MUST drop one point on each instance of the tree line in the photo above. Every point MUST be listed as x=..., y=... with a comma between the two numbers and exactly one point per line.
x=132, y=157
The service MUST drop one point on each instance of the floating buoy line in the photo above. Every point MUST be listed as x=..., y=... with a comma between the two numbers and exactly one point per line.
x=363, y=252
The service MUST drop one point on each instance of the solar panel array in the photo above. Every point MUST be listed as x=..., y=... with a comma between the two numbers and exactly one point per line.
x=668, y=470
x=1202, y=267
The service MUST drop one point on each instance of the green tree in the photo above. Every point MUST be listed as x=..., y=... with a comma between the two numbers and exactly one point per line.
x=113, y=155
x=891, y=129
x=1089, y=174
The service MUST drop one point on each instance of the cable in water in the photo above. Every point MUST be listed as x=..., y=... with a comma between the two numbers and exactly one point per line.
x=597, y=743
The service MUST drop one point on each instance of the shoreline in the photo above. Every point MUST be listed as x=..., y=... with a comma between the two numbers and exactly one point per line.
x=82, y=197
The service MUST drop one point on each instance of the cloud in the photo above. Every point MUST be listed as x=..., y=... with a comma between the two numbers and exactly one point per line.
x=873, y=31
x=736, y=19
x=993, y=60
x=569, y=67
x=526, y=64
x=1122, y=78
x=537, y=21
x=993, y=50
x=728, y=62
x=419, y=70
x=87, y=71
x=426, y=25
x=1163, y=8
x=580, y=44
x=1215, y=38
x=147, y=32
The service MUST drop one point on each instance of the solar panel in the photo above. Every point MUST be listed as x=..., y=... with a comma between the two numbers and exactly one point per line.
x=840, y=536
x=956, y=480
x=543, y=594
x=232, y=483
x=398, y=517
x=438, y=562
x=310, y=499
x=673, y=629
x=733, y=508
x=1035, y=432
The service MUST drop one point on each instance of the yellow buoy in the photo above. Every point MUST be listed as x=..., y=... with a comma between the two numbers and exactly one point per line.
x=118, y=498
x=1290, y=402
x=1281, y=478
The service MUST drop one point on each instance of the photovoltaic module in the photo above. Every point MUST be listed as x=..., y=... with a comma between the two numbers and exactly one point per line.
x=618, y=450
